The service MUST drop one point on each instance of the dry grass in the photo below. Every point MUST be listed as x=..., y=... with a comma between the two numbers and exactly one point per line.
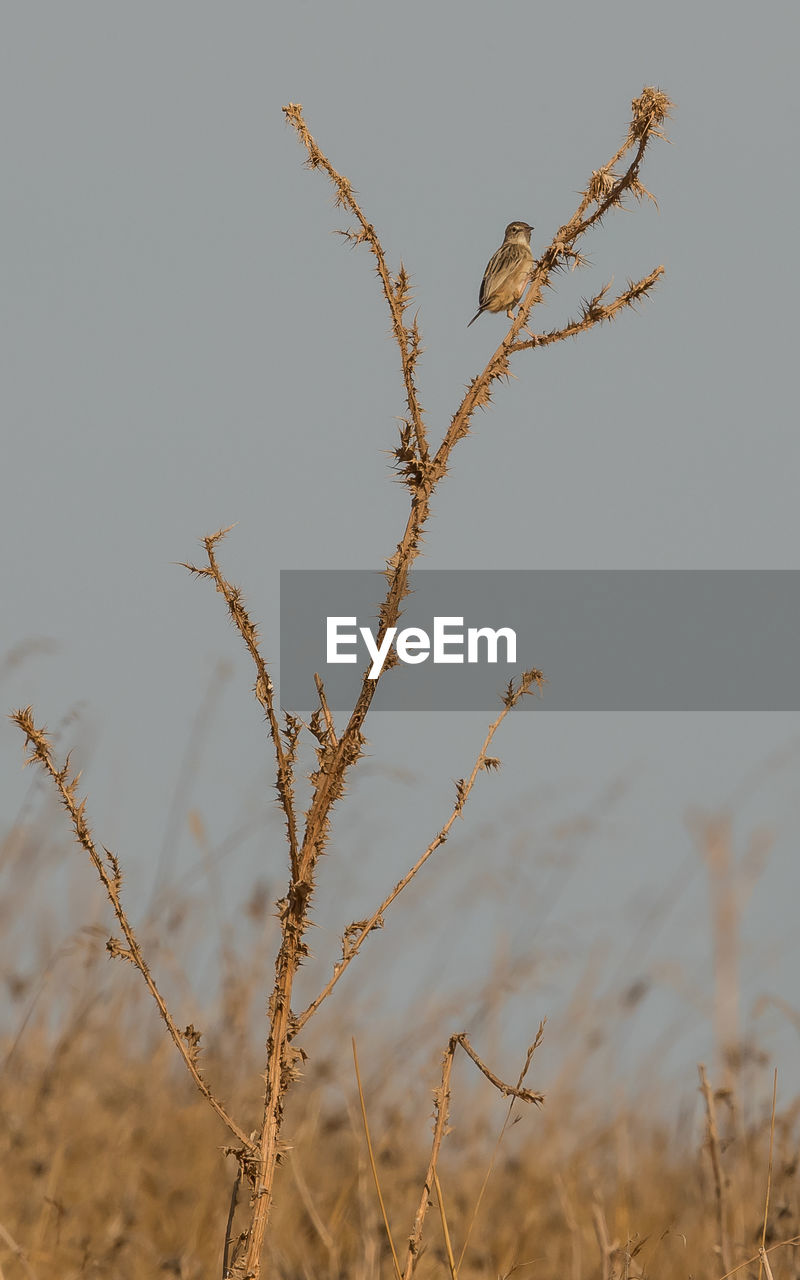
x=111, y=1161
x=111, y=1167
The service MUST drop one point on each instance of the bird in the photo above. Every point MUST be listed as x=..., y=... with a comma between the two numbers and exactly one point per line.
x=507, y=272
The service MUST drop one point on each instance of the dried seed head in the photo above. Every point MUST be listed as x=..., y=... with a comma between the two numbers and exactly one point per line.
x=649, y=111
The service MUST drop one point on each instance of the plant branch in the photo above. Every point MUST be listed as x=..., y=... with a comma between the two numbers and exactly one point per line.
x=441, y=1112
x=397, y=292
x=356, y=934
x=264, y=688
x=595, y=311
x=473, y=1216
x=110, y=873
x=748, y=1262
x=326, y=711
x=422, y=476
x=507, y=1090
x=605, y=191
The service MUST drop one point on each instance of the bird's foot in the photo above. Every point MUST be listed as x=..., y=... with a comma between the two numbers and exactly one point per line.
x=534, y=336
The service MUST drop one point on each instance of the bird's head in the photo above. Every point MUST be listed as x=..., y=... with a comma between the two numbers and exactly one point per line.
x=518, y=233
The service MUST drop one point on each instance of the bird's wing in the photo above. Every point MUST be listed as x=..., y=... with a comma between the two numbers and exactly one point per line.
x=501, y=264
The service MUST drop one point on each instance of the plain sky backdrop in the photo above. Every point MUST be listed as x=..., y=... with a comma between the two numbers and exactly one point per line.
x=186, y=345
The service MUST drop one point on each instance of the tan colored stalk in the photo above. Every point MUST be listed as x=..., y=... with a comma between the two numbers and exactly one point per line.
x=762, y=1256
x=187, y=1042
x=441, y=1112
x=715, y=1153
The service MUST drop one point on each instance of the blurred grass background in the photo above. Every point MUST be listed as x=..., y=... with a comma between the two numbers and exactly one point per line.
x=112, y=1165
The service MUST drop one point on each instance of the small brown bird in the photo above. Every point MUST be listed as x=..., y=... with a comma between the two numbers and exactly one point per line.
x=507, y=272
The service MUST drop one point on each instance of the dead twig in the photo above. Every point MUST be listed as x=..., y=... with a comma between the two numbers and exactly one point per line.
x=264, y=688
x=357, y=934
x=109, y=871
x=474, y=1215
x=441, y=1112
x=595, y=311
x=397, y=290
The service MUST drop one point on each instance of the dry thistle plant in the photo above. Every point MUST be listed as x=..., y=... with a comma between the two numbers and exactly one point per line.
x=258, y=1149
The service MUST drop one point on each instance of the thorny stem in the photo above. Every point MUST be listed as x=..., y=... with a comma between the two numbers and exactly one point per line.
x=108, y=870
x=422, y=475
x=649, y=111
x=595, y=311
x=442, y=1110
x=396, y=292
x=281, y=1058
x=264, y=689
x=352, y=940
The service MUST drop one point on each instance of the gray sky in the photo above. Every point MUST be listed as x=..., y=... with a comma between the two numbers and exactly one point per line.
x=186, y=345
